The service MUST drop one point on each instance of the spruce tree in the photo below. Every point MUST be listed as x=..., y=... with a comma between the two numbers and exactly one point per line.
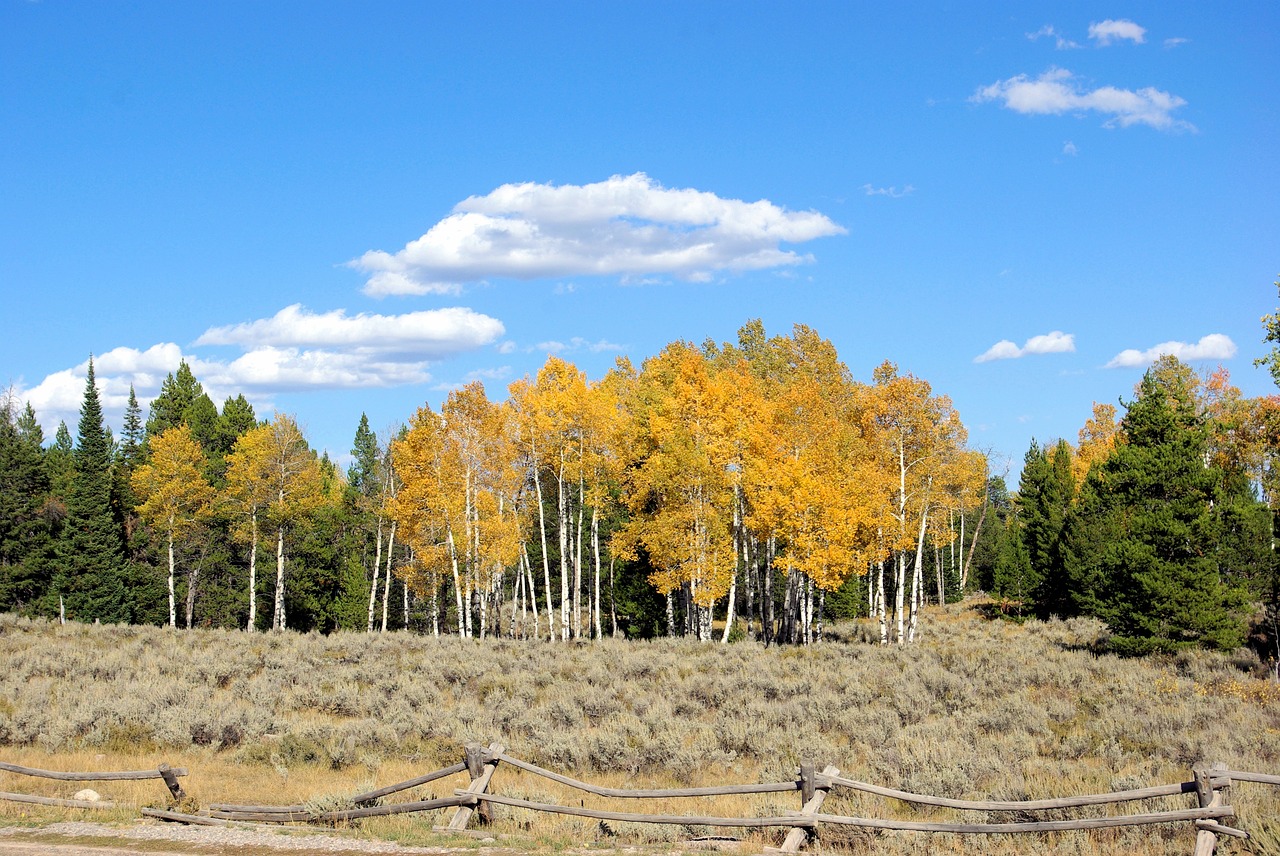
x=91, y=553
x=26, y=542
x=177, y=395
x=362, y=475
x=236, y=418
x=59, y=464
x=133, y=432
x=1146, y=534
x=1045, y=492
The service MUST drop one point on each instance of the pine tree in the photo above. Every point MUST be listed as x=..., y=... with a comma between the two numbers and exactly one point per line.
x=1145, y=533
x=134, y=431
x=177, y=395
x=91, y=554
x=1045, y=493
x=26, y=542
x=59, y=463
x=236, y=418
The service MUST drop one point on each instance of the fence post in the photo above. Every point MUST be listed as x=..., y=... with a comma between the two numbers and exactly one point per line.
x=1207, y=795
x=171, y=781
x=481, y=765
x=815, y=792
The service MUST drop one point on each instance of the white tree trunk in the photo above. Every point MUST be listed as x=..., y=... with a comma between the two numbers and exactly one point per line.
x=253, y=571
x=278, y=621
x=457, y=583
x=577, y=566
x=917, y=578
x=546, y=560
x=595, y=552
x=562, y=514
x=377, y=570
x=173, y=608
x=900, y=584
x=386, y=588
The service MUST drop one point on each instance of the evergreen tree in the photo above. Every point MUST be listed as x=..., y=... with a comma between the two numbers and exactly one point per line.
x=26, y=542
x=59, y=463
x=202, y=418
x=177, y=395
x=995, y=530
x=1044, y=497
x=1014, y=577
x=362, y=475
x=1145, y=533
x=134, y=432
x=236, y=418
x=91, y=554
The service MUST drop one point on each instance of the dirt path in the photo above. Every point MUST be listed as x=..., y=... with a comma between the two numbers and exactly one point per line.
x=94, y=839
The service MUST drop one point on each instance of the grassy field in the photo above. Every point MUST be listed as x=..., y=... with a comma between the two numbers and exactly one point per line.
x=976, y=709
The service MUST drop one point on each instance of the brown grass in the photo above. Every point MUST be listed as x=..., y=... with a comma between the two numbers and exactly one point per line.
x=976, y=709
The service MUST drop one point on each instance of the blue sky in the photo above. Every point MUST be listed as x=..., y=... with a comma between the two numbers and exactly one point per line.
x=345, y=207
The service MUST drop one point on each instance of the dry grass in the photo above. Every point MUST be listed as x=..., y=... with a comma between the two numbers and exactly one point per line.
x=976, y=709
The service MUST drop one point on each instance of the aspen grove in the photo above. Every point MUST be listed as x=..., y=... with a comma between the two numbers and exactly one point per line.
x=715, y=490
x=752, y=489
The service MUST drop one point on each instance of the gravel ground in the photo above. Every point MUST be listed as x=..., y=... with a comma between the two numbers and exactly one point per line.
x=197, y=839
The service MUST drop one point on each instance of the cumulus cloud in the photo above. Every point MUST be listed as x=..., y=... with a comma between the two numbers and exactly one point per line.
x=295, y=350
x=891, y=192
x=1214, y=346
x=431, y=334
x=1069, y=148
x=1057, y=91
x=1108, y=32
x=626, y=226
x=1056, y=342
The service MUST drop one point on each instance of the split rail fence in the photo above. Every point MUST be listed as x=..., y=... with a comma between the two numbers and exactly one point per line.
x=1209, y=784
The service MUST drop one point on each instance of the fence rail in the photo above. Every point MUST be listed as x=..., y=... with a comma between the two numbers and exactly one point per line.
x=1209, y=785
x=164, y=772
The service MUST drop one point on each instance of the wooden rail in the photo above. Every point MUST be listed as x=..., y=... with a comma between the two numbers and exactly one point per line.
x=169, y=775
x=1210, y=786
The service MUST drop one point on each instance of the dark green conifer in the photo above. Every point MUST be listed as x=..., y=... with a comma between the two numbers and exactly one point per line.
x=26, y=540
x=91, y=552
x=1145, y=533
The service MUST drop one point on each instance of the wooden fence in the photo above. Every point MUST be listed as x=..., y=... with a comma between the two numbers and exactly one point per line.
x=169, y=775
x=1210, y=786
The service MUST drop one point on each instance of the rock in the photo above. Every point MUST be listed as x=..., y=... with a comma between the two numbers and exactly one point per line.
x=88, y=795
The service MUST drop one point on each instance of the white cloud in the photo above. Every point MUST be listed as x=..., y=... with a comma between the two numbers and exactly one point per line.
x=624, y=226
x=293, y=351
x=1056, y=342
x=577, y=343
x=1214, y=346
x=1176, y=41
x=1047, y=31
x=1069, y=148
x=1056, y=92
x=431, y=334
x=891, y=192
x=1108, y=31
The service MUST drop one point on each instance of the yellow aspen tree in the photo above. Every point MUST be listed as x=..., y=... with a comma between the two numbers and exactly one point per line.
x=1096, y=440
x=419, y=509
x=962, y=486
x=815, y=485
x=914, y=432
x=246, y=498
x=296, y=492
x=531, y=429
x=549, y=427
x=175, y=495
x=680, y=491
